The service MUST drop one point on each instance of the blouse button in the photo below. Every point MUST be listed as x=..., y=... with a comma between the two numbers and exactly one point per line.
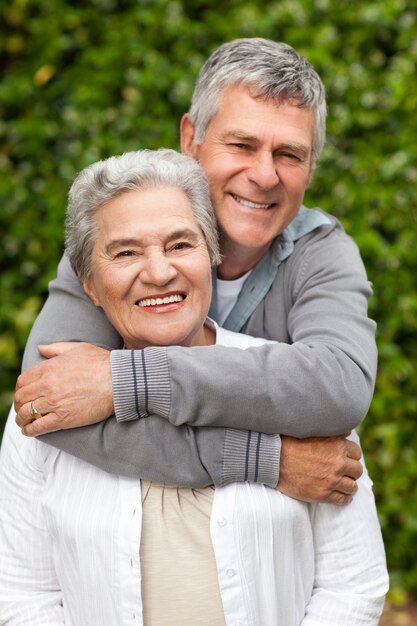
x=230, y=572
x=222, y=521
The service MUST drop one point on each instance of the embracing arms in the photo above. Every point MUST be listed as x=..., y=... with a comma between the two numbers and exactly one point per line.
x=152, y=448
x=320, y=384
x=317, y=380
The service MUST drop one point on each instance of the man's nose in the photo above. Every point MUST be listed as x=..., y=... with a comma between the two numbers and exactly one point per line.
x=158, y=270
x=263, y=171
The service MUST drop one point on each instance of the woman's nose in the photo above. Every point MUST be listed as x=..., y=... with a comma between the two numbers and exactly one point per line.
x=158, y=270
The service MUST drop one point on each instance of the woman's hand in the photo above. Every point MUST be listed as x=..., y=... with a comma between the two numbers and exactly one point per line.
x=72, y=388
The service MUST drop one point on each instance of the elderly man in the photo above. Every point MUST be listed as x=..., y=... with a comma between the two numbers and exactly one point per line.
x=257, y=126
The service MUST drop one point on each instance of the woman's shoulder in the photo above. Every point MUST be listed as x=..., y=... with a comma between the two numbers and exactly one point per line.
x=238, y=340
x=18, y=449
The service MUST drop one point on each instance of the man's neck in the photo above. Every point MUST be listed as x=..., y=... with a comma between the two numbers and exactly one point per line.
x=237, y=260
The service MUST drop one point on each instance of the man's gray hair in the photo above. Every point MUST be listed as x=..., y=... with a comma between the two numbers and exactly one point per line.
x=271, y=70
x=103, y=181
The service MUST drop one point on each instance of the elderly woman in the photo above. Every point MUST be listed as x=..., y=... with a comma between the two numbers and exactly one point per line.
x=82, y=547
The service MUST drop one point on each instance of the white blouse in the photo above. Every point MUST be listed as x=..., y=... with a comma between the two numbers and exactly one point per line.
x=70, y=539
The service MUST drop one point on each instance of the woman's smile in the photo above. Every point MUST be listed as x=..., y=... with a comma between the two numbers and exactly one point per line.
x=162, y=303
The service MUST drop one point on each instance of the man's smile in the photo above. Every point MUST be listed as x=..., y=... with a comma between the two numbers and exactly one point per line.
x=251, y=204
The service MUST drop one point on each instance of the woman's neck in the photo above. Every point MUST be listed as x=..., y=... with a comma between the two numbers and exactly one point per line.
x=206, y=336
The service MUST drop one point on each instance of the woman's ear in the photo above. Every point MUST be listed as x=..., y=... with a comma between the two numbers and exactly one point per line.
x=89, y=290
x=187, y=132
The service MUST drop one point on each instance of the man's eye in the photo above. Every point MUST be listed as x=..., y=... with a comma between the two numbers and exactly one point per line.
x=240, y=146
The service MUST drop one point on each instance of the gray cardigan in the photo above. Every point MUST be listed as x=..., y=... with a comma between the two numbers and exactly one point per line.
x=318, y=380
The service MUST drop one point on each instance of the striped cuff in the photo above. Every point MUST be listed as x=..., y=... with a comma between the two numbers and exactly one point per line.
x=141, y=383
x=251, y=456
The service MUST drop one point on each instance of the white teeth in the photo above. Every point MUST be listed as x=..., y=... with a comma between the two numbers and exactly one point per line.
x=252, y=205
x=155, y=301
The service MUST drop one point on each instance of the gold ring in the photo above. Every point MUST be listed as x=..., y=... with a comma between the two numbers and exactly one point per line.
x=34, y=413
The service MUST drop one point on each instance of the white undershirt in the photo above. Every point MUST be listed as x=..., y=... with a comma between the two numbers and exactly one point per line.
x=227, y=294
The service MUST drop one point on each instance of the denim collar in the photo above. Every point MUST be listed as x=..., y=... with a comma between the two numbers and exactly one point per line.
x=263, y=274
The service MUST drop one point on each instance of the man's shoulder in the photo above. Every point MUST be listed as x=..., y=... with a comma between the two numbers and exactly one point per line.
x=327, y=248
x=312, y=223
x=325, y=228
x=308, y=227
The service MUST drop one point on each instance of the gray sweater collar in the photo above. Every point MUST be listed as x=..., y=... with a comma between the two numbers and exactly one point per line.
x=262, y=276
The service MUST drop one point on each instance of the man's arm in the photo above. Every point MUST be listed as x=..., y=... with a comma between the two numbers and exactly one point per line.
x=312, y=469
x=67, y=286
x=316, y=381
x=153, y=449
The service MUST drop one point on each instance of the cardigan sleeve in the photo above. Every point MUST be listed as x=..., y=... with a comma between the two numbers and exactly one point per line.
x=192, y=457
x=153, y=449
x=319, y=381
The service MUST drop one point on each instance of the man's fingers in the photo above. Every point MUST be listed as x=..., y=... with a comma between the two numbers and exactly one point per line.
x=45, y=424
x=25, y=394
x=347, y=486
x=353, y=469
x=25, y=416
x=353, y=450
x=338, y=498
x=320, y=469
x=54, y=349
x=75, y=386
x=28, y=377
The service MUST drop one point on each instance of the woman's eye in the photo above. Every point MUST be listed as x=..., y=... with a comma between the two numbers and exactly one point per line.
x=181, y=245
x=292, y=157
x=123, y=253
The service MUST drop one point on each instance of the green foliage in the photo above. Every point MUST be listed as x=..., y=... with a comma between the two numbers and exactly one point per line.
x=84, y=80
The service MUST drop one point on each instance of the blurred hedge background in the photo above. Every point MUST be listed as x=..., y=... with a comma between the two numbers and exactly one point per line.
x=84, y=79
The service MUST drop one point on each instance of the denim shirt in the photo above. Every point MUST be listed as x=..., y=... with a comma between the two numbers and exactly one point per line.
x=263, y=274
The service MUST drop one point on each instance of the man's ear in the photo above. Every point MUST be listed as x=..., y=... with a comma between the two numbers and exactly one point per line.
x=89, y=290
x=187, y=132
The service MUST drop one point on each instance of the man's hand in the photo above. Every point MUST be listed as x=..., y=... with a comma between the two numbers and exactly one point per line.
x=72, y=388
x=320, y=469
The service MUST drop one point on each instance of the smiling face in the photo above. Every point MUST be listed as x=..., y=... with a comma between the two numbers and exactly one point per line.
x=151, y=269
x=257, y=155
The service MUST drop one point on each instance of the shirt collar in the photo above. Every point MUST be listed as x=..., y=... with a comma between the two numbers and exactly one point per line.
x=259, y=282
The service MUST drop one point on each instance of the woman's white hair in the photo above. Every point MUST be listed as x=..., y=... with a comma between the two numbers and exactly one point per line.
x=270, y=70
x=100, y=182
